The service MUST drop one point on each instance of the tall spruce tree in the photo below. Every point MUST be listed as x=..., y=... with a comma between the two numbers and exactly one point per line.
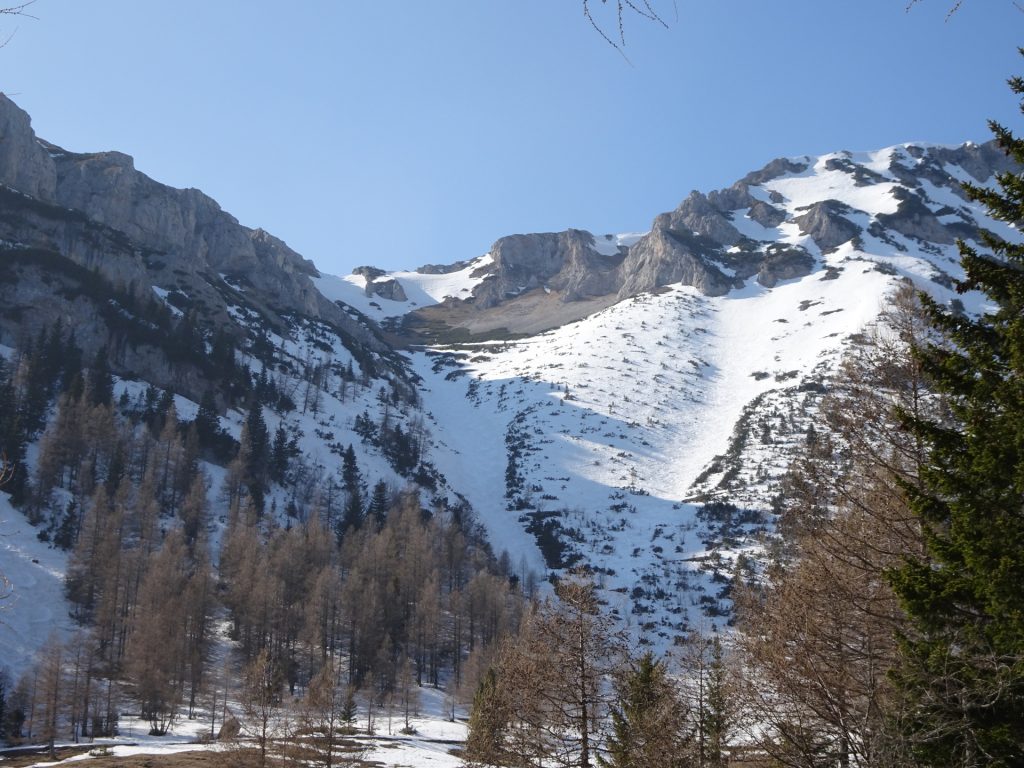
x=648, y=720
x=962, y=660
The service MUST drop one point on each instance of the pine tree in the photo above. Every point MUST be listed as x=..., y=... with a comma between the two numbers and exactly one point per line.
x=379, y=504
x=100, y=384
x=962, y=660
x=352, y=482
x=254, y=455
x=648, y=720
x=280, y=454
x=207, y=420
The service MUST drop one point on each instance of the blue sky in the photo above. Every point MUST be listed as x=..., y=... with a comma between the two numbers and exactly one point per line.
x=403, y=132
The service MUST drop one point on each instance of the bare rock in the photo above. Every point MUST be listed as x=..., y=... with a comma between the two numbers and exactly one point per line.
x=766, y=215
x=826, y=224
x=25, y=163
x=698, y=214
x=774, y=170
x=370, y=273
x=784, y=263
x=389, y=289
x=663, y=257
x=562, y=261
x=915, y=220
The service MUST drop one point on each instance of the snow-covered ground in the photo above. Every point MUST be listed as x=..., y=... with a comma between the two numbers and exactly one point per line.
x=430, y=743
x=620, y=414
x=34, y=606
x=421, y=289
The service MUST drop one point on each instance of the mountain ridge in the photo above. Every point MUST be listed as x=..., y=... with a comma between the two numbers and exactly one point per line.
x=591, y=398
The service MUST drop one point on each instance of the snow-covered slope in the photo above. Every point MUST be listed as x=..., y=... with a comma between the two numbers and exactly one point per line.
x=603, y=440
x=420, y=289
x=609, y=434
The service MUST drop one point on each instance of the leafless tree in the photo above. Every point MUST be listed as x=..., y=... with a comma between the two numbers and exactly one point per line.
x=15, y=10
x=551, y=695
x=819, y=638
x=618, y=11
x=262, y=717
x=324, y=730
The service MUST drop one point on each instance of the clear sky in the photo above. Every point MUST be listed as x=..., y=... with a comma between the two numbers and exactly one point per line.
x=403, y=132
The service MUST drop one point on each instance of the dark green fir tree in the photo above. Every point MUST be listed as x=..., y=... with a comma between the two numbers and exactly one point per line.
x=648, y=720
x=962, y=656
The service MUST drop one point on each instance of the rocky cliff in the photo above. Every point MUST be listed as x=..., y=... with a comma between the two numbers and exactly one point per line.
x=147, y=240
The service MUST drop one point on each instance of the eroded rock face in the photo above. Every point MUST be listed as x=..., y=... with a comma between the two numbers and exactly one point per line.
x=827, y=225
x=370, y=273
x=562, y=261
x=915, y=220
x=99, y=212
x=387, y=289
x=663, y=257
x=698, y=214
x=25, y=164
x=766, y=215
x=785, y=263
x=775, y=169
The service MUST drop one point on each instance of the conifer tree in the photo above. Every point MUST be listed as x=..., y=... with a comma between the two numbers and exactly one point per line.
x=962, y=659
x=352, y=482
x=648, y=720
x=379, y=504
x=100, y=384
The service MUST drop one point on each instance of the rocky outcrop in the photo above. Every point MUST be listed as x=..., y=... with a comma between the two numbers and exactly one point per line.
x=188, y=229
x=370, y=273
x=777, y=168
x=768, y=216
x=663, y=257
x=561, y=261
x=784, y=263
x=101, y=214
x=733, y=198
x=862, y=177
x=389, y=289
x=981, y=161
x=25, y=163
x=826, y=224
x=699, y=214
x=915, y=220
x=442, y=269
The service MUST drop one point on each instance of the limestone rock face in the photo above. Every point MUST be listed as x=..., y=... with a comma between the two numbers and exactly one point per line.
x=25, y=164
x=386, y=289
x=766, y=215
x=776, y=168
x=562, y=261
x=698, y=214
x=186, y=227
x=915, y=220
x=663, y=257
x=826, y=224
x=370, y=273
x=784, y=264
x=100, y=213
